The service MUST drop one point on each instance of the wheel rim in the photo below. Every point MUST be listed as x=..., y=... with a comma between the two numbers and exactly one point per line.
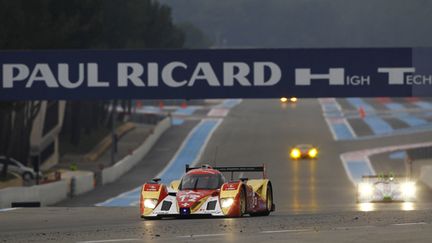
x=27, y=177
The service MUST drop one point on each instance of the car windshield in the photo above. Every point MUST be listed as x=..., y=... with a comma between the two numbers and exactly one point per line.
x=304, y=146
x=201, y=181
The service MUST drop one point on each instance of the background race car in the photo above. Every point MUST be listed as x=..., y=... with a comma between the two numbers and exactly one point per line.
x=386, y=188
x=204, y=191
x=289, y=100
x=304, y=151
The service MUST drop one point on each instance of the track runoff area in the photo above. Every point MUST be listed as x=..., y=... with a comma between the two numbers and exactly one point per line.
x=315, y=199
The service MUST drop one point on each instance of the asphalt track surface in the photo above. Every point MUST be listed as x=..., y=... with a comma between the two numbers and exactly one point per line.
x=315, y=200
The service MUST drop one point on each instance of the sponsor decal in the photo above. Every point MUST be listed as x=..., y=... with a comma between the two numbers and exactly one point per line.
x=337, y=76
x=140, y=75
x=152, y=187
x=133, y=75
x=190, y=196
x=230, y=187
x=218, y=73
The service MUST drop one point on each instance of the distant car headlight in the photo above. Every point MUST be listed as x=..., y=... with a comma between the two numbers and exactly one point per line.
x=293, y=99
x=313, y=152
x=295, y=153
x=283, y=99
x=150, y=203
x=365, y=189
x=227, y=202
x=408, y=189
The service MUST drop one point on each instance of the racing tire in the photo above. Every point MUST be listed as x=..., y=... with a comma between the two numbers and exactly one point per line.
x=242, y=203
x=27, y=176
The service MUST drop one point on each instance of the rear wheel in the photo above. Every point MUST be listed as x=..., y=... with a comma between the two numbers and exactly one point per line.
x=269, y=201
x=27, y=176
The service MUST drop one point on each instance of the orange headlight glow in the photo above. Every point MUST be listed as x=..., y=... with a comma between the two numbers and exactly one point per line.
x=295, y=153
x=313, y=152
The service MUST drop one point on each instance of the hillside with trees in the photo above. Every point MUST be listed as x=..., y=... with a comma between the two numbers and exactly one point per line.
x=309, y=23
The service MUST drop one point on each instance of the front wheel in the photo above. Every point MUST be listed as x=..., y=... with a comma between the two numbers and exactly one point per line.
x=242, y=203
x=27, y=176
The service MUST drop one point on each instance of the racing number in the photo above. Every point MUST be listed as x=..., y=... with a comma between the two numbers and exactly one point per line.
x=189, y=198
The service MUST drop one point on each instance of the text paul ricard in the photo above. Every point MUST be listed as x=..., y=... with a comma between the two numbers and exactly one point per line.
x=179, y=74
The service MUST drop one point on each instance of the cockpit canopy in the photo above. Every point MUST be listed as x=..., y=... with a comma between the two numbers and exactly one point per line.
x=207, y=181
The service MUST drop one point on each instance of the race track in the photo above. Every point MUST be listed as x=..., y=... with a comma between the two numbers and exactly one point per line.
x=315, y=199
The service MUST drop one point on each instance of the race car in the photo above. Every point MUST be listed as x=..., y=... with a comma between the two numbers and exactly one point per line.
x=386, y=188
x=286, y=100
x=304, y=151
x=203, y=191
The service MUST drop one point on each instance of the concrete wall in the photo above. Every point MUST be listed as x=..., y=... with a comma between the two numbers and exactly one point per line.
x=112, y=173
x=46, y=194
x=426, y=175
x=50, y=193
x=83, y=181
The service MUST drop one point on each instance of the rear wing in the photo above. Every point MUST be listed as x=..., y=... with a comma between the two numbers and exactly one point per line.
x=232, y=169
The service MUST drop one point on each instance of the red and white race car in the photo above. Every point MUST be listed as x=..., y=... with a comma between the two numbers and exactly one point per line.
x=203, y=191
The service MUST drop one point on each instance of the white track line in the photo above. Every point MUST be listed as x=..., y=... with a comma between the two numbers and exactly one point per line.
x=284, y=231
x=7, y=209
x=356, y=227
x=204, y=235
x=407, y=224
x=329, y=120
x=218, y=112
x=113, y=240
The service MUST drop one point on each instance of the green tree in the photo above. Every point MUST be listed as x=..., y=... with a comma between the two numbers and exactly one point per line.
x=138, y=24
x=16, y=121
x=194, y=37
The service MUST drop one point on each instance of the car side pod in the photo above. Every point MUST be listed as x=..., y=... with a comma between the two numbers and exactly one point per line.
x=152, y=194
x=264, y=191
x=232, y=194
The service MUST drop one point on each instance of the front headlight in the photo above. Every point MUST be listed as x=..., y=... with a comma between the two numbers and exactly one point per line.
x=227, y=202
x=313, y=152
x=295, y=153
x=150, y=203
x=293, y=99
x=408, y=189
x=283, y=99
x=365, y=189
